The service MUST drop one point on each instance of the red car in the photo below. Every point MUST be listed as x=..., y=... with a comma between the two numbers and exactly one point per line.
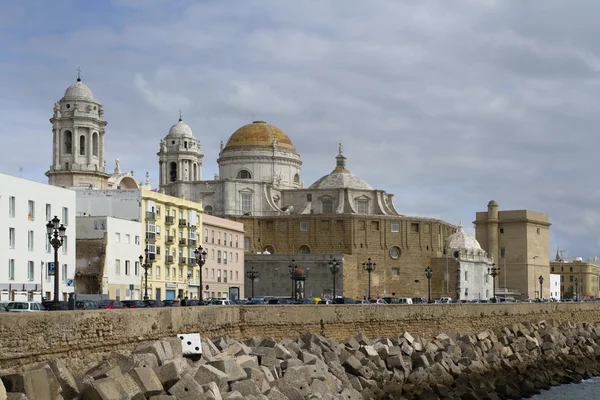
x=110, y=304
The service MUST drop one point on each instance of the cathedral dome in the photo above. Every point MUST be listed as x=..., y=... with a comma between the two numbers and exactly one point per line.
x=258, y=135
x=341, y=180
x=78, y=91
x=461, y=240
x=180, y=129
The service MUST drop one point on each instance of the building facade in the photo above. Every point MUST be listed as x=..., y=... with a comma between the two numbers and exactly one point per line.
x=518, y=241
x=169, y=233
x=555, y=286
x=108, y=251
x=578, y=279
x=223, y=272
x=25, y=209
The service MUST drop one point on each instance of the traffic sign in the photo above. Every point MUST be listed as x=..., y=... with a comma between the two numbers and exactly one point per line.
x=69, y=282
x=50, y=268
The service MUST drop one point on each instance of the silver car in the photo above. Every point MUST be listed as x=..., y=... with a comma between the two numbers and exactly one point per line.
x=25, y=306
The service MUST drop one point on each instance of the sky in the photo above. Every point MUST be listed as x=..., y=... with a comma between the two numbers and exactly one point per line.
x=446, y=104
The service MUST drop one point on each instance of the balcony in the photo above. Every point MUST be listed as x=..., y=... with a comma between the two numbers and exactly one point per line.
x=182, y=242
x=150, y=215
x=169, y=220
x=182, y=261
x=151, y=236
x=193, y=227
x=169, y=240
x=182, y=222
x=168, y=259
x=192, y=261
x=192, y=242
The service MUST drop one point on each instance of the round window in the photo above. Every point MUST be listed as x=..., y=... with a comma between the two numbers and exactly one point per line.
x=68, y=106
x=395, y=252
x=172, y=142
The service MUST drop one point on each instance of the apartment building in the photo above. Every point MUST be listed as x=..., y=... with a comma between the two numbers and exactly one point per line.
x=578, y=278
x=27, y=256
x=223, y=272
x=108, y=251
x=169, y=233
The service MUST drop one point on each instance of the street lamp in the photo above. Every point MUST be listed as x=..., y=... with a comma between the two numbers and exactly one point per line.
x=200, y=255
x=576, y=290
x=428, y=274
x=146, y=264
x=56, y=236
x=334, y=267
x=369, y=267
x=494, y=272
x=541, y=279
x=252, y=275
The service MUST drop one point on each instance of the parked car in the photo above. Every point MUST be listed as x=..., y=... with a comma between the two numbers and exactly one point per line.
x=305, y=301
x=134, y=304
x=378, y=301
x=79, y=305
x=281, y=300
x=344, y=300
x=25, y=306
x=420, y=300
x=3, y=308
x=221, y=303
x=110, y=304
x=154, y=303
x=49, y=305
x=239, y=302
x=324, y=302
x=255, y=301
x=171, y=303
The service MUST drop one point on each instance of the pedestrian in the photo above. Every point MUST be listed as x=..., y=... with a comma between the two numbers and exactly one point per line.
x=184, y=301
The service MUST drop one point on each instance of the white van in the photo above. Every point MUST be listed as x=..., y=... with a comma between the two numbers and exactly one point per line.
x=404, y=300
x=445, y=299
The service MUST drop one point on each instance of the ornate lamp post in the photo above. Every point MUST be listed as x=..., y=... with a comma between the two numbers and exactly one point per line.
x=334, y=267
x=576, y=290
x=200, y=255
x=369, y=267
x=428, y=274
x=494, y=272
x=252, y=275
x=146, y=264
x=56, y=236
x=541, y=279
x=292, y=268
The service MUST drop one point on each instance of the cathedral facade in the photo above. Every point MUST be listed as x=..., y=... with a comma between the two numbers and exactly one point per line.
x=259, y=184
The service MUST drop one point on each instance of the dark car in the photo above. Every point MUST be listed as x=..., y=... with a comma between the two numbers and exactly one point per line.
x=86, y=305
x=49, y=305
x=170, y=303
x=193, y=303
x=154, y=303
x=134, y=304
x=3, y=308
x=110, y=304
x=343, y=300
x=256, y=301
x=392, y=300
x=282, y=300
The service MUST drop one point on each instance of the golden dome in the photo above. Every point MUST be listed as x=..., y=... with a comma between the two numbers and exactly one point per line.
x=259, y=135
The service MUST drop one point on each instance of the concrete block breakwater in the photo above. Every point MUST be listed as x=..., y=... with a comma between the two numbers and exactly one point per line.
x=517, y=362
x=84, y=337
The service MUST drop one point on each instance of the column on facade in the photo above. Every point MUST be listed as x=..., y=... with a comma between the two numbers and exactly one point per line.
x=101, y=150
x=55, y=142
x=90, y=146
x=75, y=145
x=180, y=170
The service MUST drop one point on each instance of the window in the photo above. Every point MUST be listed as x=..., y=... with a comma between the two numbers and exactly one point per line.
x=11, y=269
x=502, y=252
x=136, y=267
x=82, y=145
x=571, y=278
x=30, y=270
x=304, y=250
x=236, y=241
x=304, y=226
x=246, y=243
x=11, y=238
x=117, y=237
x=11, y=206
x=180, y=272
x=570, y=269
x=466, y=276
x=395, y=271
x=362, y=206
x=158, y=271
x=127, y=266
x=237, y=258
x=327, y=206
x=309, y=197
x=212, y=253
x=486, y=278
x=552, y=269
x=501, y=230
x=395, y=227
x=137, y=239
x=127, y=238
x=65, y=216
x=167, y=272
x=212, y=273
x=244, y=174
x=237, y=277
x=30, y=240
x=95, y=144
x=224, y=257
x=230, y=240
x=414, y=227
x=395, y=252
x=218, y=275
x=246, y=203
x=212, y=236
x=48, y=245
x=31, y=210
x=219, y=257
x=218, y=237
x=118, y=267
x=65, y=245
x=48, y=212
x=374, y=225
x=64, y=273
x=231, y=256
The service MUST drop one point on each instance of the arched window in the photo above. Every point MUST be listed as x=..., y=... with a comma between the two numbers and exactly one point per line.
x=95, y=144
x=208, y=210
x=82, y=145
x=173, y=171
x=244, y=174
x=68, y=142
x=270, y=249
x=304, y=250
x=296, y=178
x=327, y=206
x=194, y=172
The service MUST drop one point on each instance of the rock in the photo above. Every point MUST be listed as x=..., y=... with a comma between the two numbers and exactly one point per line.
x=208, y=373
x=231, y=368
x=155, y=348
x=33, y=384
x=147, y=381
x=104, y=389
x=246, y=387
x=186, y=389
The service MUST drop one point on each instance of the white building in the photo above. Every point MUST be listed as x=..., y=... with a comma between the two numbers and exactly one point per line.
x=25, y=209
x=555, y=286
x=108, y=257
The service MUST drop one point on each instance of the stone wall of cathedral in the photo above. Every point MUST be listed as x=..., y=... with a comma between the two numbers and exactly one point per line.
x=402, y=247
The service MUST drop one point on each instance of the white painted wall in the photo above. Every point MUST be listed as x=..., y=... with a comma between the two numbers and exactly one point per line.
x=554, y=287
x=121, y=245
x=475, y=281
x=125, y=204
x=43, y=196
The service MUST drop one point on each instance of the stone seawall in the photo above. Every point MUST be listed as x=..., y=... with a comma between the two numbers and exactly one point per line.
x=86, y=335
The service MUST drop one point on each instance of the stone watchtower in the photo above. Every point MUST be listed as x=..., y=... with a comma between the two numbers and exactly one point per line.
x=180, y=160
x=78, y=128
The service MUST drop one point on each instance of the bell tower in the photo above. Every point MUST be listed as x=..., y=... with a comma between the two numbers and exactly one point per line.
x=78, y=129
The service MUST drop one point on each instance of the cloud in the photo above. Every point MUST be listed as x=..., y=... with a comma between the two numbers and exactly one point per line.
x=445, y=103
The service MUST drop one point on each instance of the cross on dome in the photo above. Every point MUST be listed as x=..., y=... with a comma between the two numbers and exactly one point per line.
x=78, y=74
x=180, y=115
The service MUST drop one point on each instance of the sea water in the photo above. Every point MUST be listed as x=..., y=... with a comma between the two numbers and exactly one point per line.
x=584, y=390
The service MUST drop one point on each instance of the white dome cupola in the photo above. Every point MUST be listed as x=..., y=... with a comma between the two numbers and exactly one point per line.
x=463, y=245
x=180, y=155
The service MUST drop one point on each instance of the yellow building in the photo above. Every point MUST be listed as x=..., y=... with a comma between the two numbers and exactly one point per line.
x=171, y=225
x=578, y=278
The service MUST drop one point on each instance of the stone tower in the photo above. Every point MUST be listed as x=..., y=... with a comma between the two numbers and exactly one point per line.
x=78, y=128
x=180, y=160
x=492, y=227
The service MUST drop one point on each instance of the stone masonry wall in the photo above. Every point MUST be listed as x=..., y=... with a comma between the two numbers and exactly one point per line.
x=82, y=337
